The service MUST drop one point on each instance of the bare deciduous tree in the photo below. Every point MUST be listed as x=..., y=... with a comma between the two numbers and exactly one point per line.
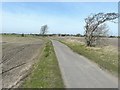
x=95, y=26
x=100, y=35
x=43, y=29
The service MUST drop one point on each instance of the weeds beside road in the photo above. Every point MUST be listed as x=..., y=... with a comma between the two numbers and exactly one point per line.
x=105, y=57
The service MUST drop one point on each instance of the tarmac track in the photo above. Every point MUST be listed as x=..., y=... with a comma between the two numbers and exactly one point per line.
x=79, y=72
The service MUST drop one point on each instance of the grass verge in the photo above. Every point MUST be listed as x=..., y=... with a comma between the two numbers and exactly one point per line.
x=105, y=59
x=46, y=72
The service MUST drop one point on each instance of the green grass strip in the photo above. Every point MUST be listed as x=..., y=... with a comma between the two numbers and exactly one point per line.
x=46, y=72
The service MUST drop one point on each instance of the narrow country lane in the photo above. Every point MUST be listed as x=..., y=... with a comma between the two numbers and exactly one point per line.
x=79, y=72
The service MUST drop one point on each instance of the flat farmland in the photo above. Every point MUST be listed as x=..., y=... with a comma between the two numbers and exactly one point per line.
x=18, y=55
x=106, y=41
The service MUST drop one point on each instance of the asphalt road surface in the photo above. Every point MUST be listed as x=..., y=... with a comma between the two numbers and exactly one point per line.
x=79, y=72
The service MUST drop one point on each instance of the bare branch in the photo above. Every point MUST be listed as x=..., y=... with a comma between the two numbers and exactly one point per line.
x=94, y=24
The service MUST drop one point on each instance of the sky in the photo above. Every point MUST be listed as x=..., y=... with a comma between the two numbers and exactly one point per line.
x=61, y=17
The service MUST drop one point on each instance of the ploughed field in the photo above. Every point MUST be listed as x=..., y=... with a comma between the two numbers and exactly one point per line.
x=18, y=55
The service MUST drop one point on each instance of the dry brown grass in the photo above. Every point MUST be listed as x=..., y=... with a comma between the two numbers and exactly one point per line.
x=25, y=40
x=106, y=57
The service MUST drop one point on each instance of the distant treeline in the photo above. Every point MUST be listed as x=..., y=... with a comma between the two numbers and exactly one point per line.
x=76, y=35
